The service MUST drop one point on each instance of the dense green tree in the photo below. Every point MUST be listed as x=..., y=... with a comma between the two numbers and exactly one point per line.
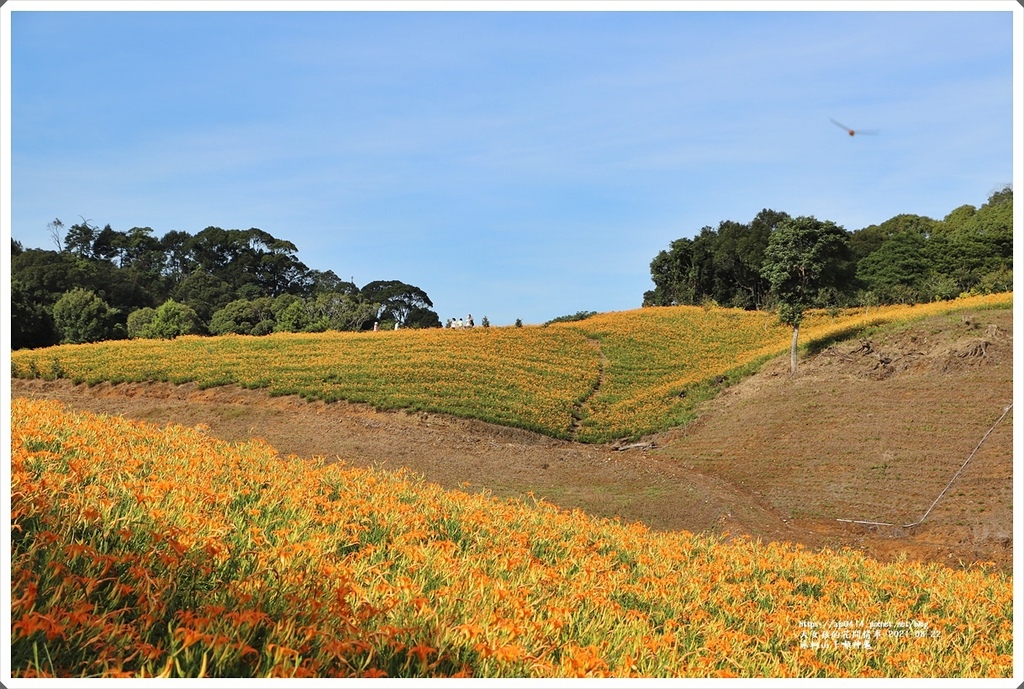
x=249, y=290
x=721, y=264
x=107, y=244
x=242, y=316
x=80, y=237
x=421, y=317
x=999, y=280
x=177, y=263
x=139, y=320
x=318, y=281
x=905, y=258
x=281, y=302
x=38, y=279
x=993, y=224
x=975, y=245
x=172, y=319
x=703, y=275
x=673, y=273
x=31, y=322
x=277, y=269
x=294, y=318
x=869, y=239
x=46, y=275
x=81, y=316
x=334, y=311
x=959, y=217
x=407, y=305
x=142, y=251
x=133, y=272
x=249, y=257
x=958, y=257
x=898, y=269
x=739, y=255
x=203, y=292
x=804, y=256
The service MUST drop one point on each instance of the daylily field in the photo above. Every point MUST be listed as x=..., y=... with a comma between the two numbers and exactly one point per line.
x=613, y=375
x=140, y=550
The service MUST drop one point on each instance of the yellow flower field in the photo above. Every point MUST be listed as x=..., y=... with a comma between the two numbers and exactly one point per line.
x=144, y=551
x=513, y=377
x=660, y=360
x=613, y=375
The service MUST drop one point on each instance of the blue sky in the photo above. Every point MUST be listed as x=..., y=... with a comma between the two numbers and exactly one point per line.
x=512, y=164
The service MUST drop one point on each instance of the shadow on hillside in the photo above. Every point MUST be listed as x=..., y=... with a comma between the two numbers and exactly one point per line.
x=816, y=346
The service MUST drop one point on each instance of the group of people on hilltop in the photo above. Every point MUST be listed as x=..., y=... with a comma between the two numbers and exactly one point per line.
x=459, y=323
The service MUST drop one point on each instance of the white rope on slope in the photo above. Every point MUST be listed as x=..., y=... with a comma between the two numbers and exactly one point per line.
x=863, y=521
x=983, y=439
x=958, y=472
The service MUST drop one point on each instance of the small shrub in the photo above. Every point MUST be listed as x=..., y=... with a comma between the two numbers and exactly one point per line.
x=138, y=320
x=294, y=318
x=578, y=316
x=172, y=319
x=81, y=316
x=263, y=328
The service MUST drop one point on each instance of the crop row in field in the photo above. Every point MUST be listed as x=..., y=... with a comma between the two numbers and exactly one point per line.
x=143, y=551
x=613, y=375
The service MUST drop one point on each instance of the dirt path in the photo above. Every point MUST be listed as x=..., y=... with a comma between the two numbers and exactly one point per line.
x=772, y=458
x=582, y=406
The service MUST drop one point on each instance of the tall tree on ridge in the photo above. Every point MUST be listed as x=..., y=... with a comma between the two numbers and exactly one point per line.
x=804, y=255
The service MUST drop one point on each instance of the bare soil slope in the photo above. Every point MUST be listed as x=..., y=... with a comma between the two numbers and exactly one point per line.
x=871, y=429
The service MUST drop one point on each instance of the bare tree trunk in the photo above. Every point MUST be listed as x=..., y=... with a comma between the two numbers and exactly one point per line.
x=792, y=351
x=56, y=229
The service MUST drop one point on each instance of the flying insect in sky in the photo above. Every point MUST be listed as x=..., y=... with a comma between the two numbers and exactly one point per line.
x=851, y=132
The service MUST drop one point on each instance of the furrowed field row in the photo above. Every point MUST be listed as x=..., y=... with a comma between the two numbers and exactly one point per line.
x=144, y=551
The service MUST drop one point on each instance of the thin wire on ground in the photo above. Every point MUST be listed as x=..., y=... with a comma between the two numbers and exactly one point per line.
x=943, y=492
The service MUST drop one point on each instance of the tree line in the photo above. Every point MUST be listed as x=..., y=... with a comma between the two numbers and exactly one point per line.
x=906, y=259
x=104, y=284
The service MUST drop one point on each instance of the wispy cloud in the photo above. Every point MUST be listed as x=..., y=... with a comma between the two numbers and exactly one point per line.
x=546, y=150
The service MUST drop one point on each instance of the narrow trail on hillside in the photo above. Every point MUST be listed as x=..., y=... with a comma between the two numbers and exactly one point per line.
x=581, y=409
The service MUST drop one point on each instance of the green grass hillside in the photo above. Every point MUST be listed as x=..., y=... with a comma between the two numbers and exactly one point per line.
x=610, y=376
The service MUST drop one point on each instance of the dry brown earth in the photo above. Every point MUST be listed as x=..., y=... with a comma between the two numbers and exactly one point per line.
x=871, y=429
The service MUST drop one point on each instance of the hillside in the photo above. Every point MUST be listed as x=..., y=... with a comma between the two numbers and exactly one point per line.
x=140, y=550
x=872, y=429
x=616, y=375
